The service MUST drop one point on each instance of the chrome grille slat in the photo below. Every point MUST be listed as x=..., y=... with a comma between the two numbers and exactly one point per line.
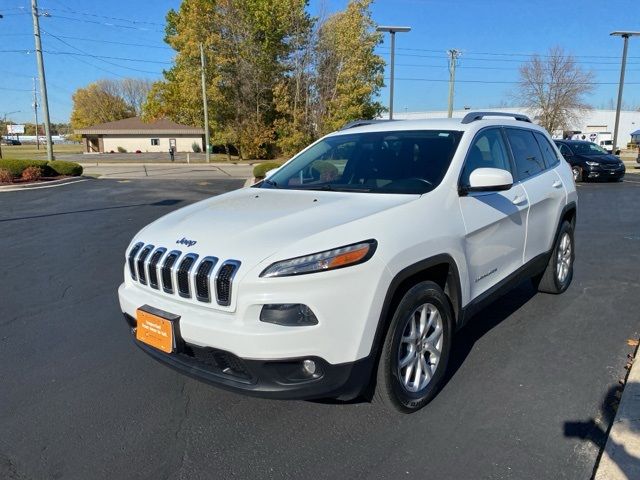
x=132, y=258
x=172, y=272
x=142, y=273
x=202, y=278
x=182, y=274
x=153, y=267
x=166, y=271
x=224, y=281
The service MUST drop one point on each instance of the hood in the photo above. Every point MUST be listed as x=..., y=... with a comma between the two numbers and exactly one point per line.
x=251, y=224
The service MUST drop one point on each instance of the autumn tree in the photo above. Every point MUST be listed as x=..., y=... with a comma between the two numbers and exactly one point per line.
x=133, y=91
x=554, y=87
x=93, y=105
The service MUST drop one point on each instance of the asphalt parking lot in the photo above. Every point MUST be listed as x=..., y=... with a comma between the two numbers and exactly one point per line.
x=528, y=392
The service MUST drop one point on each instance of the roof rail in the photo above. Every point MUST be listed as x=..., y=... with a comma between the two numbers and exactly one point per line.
x=360, y=123
x=473, y=116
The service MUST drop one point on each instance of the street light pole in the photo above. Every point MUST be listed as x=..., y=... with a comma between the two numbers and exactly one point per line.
x=204, y=103
x=625, y=36
x=392, y=30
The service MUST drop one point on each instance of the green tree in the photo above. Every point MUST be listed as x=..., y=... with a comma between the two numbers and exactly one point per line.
x=93, y=105
x=349, y=73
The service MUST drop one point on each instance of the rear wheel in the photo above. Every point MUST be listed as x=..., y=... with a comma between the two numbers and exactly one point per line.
x=559, y=272
x=416, y=349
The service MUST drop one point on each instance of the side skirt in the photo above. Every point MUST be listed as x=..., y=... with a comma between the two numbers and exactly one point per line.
x=534, y=267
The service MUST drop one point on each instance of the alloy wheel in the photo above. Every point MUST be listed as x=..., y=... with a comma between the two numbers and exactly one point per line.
x=563, y=260
x=420, y=347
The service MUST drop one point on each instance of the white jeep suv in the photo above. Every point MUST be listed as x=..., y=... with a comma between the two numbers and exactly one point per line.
x=348, y=270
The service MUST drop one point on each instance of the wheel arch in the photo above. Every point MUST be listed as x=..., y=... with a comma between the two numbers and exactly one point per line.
x=441, y=269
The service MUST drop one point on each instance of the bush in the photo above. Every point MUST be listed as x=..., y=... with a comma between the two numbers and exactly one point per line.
x=122, y=150
x=16, y=167
x=195, y=146
x=261, y=169
x=31, y=174
x=5, y=176
x=62, y=167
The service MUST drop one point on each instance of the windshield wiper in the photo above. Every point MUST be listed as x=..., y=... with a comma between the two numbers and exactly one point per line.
x=330, y=188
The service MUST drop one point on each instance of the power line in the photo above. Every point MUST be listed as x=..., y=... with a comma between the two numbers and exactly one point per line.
x=84, y=20
x=510, y=82
x=146, y=45
x=97, y=57
x=137, y=22
x=511, y=54
x=480, y=67
x=499, y=59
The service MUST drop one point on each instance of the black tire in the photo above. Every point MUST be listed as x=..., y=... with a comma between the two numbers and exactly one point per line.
x=390, y=388
x=578, y=175
x=550, y=281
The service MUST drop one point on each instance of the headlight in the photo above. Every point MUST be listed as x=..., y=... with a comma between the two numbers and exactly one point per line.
x=318, y=262
x=593, y=164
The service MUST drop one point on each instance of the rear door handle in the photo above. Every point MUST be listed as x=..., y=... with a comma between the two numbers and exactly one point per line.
x=519, y=200
x=556, y=184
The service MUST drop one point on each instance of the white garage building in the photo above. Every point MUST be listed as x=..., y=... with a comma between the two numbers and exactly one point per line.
x=133, y=134
x=591, y=121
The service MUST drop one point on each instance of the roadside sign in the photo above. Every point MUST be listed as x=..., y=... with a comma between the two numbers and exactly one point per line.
x=15, y=129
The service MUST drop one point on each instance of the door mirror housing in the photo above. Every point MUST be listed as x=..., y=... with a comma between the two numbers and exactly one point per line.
x=489, y=180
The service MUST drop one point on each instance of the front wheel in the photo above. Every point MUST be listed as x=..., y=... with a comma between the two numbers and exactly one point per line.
x=559, y=272
x=416, y=349
x=577, y=174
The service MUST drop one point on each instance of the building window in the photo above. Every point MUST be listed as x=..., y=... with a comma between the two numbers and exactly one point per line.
x=155, y=142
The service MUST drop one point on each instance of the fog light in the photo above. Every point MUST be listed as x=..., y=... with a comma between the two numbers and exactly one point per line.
x=288, y=314
x=309, y=367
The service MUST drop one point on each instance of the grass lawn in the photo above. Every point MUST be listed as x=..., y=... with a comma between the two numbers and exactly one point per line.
x=30, y=152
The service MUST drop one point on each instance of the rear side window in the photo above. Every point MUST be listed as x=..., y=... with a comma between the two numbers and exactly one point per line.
x=548, y=152
x=488, y=151
x=526, y=152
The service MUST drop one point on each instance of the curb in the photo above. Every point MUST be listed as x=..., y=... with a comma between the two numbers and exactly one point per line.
x=620, y=459
x=49, y=184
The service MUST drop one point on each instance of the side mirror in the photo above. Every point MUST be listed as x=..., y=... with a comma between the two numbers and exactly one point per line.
x=489, y=180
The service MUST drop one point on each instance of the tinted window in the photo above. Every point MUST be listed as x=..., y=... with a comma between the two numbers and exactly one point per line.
x=488, y=151
x=564, y=150
x=548, y=152
x=412, y=162
x=588, y=148
x=526, y=152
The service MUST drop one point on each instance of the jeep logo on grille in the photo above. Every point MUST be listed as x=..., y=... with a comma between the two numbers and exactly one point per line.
x=184, y=241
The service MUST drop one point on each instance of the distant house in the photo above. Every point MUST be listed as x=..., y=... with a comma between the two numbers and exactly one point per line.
x=635, y=137
x=133, y=135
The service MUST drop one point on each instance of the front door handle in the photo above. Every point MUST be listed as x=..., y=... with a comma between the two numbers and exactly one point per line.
x=519, y=200
x=556, y=184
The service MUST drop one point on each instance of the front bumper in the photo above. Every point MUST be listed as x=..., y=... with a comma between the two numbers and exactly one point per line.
x=601, y=173
x=277, y=379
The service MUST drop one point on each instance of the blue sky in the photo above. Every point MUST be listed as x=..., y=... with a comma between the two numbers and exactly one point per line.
x=494, y=36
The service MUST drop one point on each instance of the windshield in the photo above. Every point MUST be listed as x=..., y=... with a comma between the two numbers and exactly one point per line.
x=587, y=148
x=409, y=162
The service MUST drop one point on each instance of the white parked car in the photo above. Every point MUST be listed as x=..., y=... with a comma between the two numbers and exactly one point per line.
x=351, y=267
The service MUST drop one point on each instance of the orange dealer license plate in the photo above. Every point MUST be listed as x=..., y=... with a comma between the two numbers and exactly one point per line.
x=155, y=328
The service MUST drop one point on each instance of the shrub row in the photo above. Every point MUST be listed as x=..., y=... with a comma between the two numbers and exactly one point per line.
x=47, y=169
x=261, y=169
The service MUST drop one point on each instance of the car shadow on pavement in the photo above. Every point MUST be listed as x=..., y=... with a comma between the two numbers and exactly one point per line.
x=464, y=340
x=596, y=430
x=482, y=322
x=161, y=203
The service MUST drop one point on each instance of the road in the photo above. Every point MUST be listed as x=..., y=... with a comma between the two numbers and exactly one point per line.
x=524, y=397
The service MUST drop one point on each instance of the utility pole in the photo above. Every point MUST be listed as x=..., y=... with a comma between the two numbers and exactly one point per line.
x=35, y=111
x=392, y=31
x=204, y=103
x=43, y=82
x=625, y=36
x=453, y=61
